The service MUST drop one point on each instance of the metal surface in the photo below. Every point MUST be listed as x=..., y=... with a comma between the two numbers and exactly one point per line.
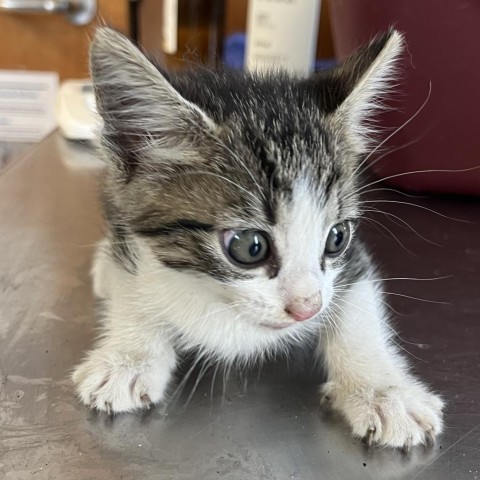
x=78, y=12
x=11, y=151
x=263, y=424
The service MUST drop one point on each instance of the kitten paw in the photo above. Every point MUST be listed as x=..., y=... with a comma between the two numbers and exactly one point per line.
x=114, y=385
x=393, y=416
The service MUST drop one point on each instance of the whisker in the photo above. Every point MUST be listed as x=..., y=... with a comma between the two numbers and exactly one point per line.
x=376, y=280
x=180, y=387
x=422, y=106
x=417, y=298
x=392, y=330
x=226, y=375
x=213, y=381
x=418, y=206
x=375, y=226
x=392, y=234
x=381, y=300
x=404, y=224
x=402, y=174
x=405, y=194
x=203, y=370
x=389, y=152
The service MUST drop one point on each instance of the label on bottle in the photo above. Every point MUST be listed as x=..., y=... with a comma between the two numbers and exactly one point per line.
x=282, y=34
x=170, y=26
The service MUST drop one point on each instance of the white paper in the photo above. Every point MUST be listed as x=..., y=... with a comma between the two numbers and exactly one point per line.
x=27, y=105
x=282, y=34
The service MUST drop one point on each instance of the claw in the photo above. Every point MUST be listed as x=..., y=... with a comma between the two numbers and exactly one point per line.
x=429, y=438
x=93, y=401
x=109, y=409
x=146, y=400
x=407, y=447
x=370, y=435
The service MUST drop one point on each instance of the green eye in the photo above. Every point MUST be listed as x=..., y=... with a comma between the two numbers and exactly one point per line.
x=246, y=248
x=337, y=239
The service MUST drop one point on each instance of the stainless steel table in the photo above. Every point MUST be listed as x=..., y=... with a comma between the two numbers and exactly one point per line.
x=262, y=424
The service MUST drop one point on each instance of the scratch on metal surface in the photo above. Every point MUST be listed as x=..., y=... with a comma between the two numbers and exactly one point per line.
x=445, y=451
x=18, y=379
x=51, y=316
x=3, y=380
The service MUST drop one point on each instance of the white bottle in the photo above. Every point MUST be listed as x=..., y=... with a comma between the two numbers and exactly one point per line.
x=282, y=34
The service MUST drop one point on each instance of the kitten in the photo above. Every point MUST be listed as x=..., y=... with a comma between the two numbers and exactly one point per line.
x=232, y=204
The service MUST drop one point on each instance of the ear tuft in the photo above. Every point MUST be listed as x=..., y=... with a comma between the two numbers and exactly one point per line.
x=114, y=58
x=361, y=82
x=372, y=68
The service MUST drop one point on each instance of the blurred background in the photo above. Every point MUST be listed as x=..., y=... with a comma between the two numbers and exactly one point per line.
x=51, y=42
x=433, y=112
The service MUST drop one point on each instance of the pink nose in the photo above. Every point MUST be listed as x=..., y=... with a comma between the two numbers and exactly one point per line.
x=302, y=313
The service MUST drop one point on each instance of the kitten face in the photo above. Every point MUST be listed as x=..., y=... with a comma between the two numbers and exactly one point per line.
x=302, y=285
x=190, y=218
x=244, y=183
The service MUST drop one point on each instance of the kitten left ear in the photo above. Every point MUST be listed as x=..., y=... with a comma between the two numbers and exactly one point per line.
x=141, y=110
x=359, y=83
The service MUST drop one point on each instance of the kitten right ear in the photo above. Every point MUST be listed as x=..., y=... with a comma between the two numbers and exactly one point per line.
x=141, y=111
x=352, y=92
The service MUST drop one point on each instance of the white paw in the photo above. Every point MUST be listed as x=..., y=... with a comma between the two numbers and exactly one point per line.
x=114, y=383
x=393, y=416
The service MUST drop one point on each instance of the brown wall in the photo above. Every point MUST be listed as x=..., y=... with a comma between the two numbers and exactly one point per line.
x=50, y=43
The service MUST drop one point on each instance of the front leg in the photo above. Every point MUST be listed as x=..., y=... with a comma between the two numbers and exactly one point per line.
x=132, y=364
x=369, y=382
